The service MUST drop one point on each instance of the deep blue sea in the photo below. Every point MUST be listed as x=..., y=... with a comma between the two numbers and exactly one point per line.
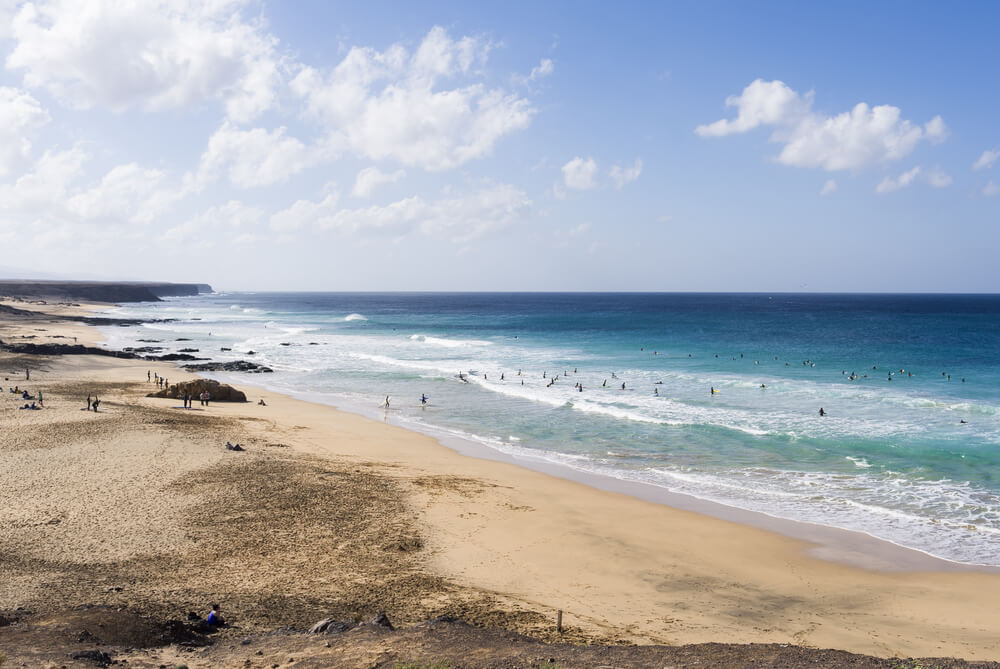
x=908, y=451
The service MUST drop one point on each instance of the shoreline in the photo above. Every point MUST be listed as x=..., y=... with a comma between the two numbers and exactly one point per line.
x=617, y=564
x=844, y=546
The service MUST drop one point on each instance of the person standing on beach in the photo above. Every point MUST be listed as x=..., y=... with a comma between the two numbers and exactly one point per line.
x=41, y=402
x=148, y=377
x=27, y=374
x=208, y=396
x=95, y=403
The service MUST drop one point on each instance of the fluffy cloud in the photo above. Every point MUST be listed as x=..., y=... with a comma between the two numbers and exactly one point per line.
x=55, y=194
x=458, y=219
x=986, y=160
x=853, y=139
x=233, y=215
x=623, y=175
x=306, y=213
x=761, y=103
x=889, y=184
x=20, y=116
x=371, y=178
x=252, y=158
x=579, y=173
x=42, y=192
x=126, y=193
x=154, y=54
x=938, y=178
x=829, y=187
x=387, y=105
x=543, y=69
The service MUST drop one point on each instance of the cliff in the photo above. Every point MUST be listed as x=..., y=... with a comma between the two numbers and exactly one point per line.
x=100, y=291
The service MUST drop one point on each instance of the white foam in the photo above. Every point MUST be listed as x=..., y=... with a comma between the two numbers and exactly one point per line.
x=449, y=343
x=354, y=317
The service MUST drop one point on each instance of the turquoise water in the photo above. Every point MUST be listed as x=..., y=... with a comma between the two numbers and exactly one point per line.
x=891, y=457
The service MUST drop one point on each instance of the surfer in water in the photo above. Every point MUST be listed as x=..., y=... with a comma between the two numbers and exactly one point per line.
x=821, y=412
x=423, y=398
x=386, y=405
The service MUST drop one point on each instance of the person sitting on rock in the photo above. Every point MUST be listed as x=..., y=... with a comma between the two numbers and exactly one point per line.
x=214, y=617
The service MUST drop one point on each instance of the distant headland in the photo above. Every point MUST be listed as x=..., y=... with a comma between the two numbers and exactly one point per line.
x=100, y=291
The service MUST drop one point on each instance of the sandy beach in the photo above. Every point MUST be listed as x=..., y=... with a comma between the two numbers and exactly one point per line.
x=329, y=514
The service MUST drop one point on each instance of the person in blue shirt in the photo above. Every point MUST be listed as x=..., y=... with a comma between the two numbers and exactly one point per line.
x=214, y=617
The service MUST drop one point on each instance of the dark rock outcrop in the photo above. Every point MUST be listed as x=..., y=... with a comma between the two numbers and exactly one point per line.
x=100, y=658
x=330, y=626
x=64, y=349
x=232, y=366
x=220, y=392
x=169, y=357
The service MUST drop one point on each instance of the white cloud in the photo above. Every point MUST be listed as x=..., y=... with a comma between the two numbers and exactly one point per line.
x=126, y=193
x=986, y=160
x=623, y=175
x=579, y=173
x=853, y=139
x=581, y=229
x=371, y=178
x=457, y=219
x=761, y=103
x=234, y=215
x=991, y=189
x=386, y=104
x=305, y=213
x=829, y=187
x=42, y=192
x=253, y=158
x=7, y=11
x=938, y=178
x=20, y=116
x=889, y=184
x=543, y=69
x=159, y=54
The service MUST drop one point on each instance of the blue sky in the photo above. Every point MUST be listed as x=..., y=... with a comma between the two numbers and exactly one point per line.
x=474, y=146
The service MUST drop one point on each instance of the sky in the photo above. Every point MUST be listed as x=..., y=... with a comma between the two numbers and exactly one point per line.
x=453, y=146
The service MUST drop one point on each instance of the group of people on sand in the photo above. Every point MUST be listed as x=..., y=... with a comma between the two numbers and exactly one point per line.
x=25, y=395
x=155, y=378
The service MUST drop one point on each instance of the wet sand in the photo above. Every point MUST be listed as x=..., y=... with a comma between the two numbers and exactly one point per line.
x=329, y=513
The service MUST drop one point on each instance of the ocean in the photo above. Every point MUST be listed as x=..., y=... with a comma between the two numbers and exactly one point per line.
x=908, y=450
